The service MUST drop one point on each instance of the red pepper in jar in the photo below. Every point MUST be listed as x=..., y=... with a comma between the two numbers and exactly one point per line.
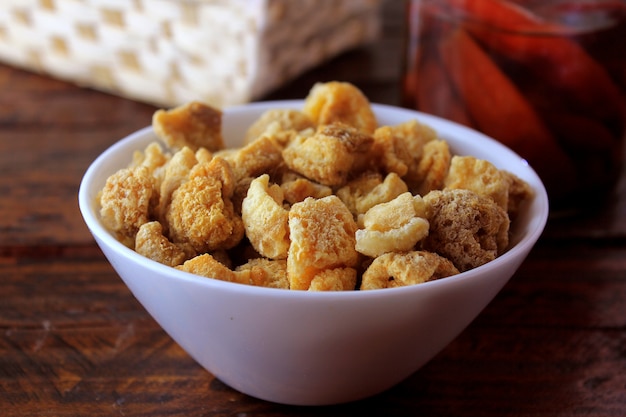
x=498, y=108
x=528, y=40
x=436, y=94
x=546, y=78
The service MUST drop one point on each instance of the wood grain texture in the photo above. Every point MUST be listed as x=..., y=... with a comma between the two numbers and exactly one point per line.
x=552, y=343
x=50, y=132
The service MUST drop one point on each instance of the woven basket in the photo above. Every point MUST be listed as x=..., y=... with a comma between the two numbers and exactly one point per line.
x=168, y=52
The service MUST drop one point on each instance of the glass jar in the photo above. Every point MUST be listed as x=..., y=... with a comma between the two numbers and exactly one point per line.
x=546, y=78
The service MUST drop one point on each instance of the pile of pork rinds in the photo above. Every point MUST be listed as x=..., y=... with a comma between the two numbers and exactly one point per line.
x=316, y=199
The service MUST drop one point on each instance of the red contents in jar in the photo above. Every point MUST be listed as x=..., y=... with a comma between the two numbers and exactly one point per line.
x=546, y=78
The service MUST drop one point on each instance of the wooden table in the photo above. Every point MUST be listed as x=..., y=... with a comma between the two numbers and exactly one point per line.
x=74, y=341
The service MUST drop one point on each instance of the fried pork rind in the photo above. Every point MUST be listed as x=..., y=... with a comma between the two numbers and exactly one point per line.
x=207, y=266
x=395, y=226
x=201, y=212
x=151, y=243
x=394, y=269
x=480, y=176
x=370, y=189
x=265, y=219
x=195, y=125
x=335, y=279
x=399, y=148
x=322, y=237
x=241, y=191
x=432, y=168
x=248, y=162
x=358, y=144
x=519, y=192
x=297, y=188
x=258, y=272
x=264, y=273
x=152, y=157
x=126, y=202
x=391, y=152
x=465, y=227
x=258, y=157
x=175, y=173
x=279, y=124
x=339, y=102
x=356, y=189
x=330, y=155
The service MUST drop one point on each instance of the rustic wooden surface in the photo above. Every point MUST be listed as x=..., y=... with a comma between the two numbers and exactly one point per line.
x=74, y=341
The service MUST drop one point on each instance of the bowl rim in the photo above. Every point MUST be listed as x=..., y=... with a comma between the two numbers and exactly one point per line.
x=103, y=236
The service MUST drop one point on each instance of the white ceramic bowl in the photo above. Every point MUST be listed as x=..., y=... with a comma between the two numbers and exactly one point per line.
x=296, y=347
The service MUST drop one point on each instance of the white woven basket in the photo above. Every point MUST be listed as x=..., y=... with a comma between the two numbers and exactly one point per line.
x=167, y=52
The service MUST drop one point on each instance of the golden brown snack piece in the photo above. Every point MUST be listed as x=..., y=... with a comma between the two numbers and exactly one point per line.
x=248, y=162
x=322, y=237
x=395, y=226
x=204, y=155
x=207, y=266
x=194, y=125
x=465, y=227
x=297, y=188
x=151, y=243
x=153, y=157
x=258, y=272
x=258, y=157
x=391, y=187
x=432, y=168
x=480, y=176
x=201, y=212
x=339, y=102
x=393, y=270
x=519, y=193
x=126, y=201
x=390, y=152
x=264, y=273
x=368, y=190
x=399, y=148
x=223, y=257
x=356, y=189
x=357, y=143
x=335, y=279
x=175, y=173
x=279, y=124
x=241, y=191
x=265, y=219
x=330, y=155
